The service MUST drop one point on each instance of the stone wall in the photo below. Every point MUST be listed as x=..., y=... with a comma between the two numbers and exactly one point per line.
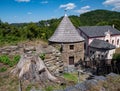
x=52, y=56
x=11, y=50
x=66, y=52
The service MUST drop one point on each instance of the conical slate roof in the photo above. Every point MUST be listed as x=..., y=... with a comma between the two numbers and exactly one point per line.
x=66, y=32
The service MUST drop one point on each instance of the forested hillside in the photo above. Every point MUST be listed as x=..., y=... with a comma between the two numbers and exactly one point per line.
x=13, y=33
x=100, y=17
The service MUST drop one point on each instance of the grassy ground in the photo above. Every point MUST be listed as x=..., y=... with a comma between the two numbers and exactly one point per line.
x=71, y=77
x=7, y=81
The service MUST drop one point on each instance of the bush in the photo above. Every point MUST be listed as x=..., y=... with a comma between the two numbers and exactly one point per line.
x=3, y=69
x=11, y=62
x=42, y=56
x=16, y=58
x=49, y=88
x=116, y=56
x=5, y=59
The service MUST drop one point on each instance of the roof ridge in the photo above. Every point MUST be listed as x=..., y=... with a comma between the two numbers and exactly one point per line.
x=66, y=32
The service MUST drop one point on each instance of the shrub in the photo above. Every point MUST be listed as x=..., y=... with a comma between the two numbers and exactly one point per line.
x=4, y=59
x=3, y=69
x=116, y=56
x=42, y=56
x=11, y=62
x=49, y=88
x=16, y=58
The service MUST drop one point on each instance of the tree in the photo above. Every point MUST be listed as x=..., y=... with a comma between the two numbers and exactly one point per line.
x=102, y=23
x=116, y=56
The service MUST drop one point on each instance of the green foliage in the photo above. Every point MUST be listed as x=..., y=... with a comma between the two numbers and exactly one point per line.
x=42, y=56
x=75, y=20
x=29, y=87
x=116, y=56
x=11, y=62
x=13, y=33
x=70, y=77
x=3, y=69
x=97, y=16
x=102, y=23
x=16, y=59
x=49, y=88
x=5, y=59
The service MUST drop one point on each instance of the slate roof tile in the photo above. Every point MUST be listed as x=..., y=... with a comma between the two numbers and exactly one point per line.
x=66, y=32
x=101, y=44
x=95, y=31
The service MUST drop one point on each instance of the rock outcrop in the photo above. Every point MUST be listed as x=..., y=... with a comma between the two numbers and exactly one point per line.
x=32, y=68
x=98, y=83
x=52, y=59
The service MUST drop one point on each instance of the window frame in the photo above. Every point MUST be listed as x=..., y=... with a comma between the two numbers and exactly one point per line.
x=71, y=47
x=71, y=60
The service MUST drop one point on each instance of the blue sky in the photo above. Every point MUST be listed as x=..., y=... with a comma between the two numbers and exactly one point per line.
x=19, y=11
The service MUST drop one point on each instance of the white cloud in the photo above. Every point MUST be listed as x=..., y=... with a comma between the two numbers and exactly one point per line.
x=83, y=9
x=44, y=2
x=22, y=0
x=68, y=6
x=29, y=13
x=114, y=3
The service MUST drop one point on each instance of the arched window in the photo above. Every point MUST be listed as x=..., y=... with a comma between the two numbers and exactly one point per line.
x=107, y=40
x=118, y=42
x=112, y=41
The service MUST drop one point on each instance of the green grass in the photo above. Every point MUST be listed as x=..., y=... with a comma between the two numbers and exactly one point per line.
x=5, y=59
x=71, y=77
x=49, y=88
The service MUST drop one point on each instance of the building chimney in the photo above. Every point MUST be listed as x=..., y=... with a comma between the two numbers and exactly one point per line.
x=113, y=26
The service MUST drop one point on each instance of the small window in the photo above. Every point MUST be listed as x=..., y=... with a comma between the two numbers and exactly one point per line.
x=84, y=45
x=102, y=56
x=71, y=47
x=112, y=41
x=107, y=40
x=118, y=42
x=90, y=51
x=71, y=60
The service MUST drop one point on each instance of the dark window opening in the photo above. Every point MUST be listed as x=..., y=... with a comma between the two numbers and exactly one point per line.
x=85, y=46
x=112, y=41
x=90, y=51
x=71, y=60
x=107, y=40
x=118, y=42
x=71, y=47
x=102, y=56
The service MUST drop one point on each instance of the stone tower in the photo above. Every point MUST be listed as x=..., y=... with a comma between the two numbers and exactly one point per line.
x=67, y=39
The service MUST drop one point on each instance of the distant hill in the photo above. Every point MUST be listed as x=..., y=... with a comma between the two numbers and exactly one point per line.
x=100, y=17
x=12, y=33
x=92, y=18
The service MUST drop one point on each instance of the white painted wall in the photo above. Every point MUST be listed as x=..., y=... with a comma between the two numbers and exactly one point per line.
x=107, y=37
x=101, y=54
x=110, y=54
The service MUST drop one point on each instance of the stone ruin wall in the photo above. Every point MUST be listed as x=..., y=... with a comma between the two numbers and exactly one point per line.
x=78, y=51
x=52, y=56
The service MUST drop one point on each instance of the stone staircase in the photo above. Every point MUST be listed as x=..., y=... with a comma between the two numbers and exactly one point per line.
x=54, y=62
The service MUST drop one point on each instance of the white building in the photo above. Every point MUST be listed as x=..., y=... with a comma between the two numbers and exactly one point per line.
x=108, y=34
